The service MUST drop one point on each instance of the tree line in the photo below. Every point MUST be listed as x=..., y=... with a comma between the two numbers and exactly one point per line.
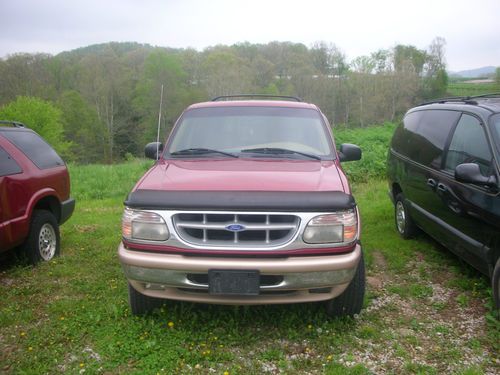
x=100, y=103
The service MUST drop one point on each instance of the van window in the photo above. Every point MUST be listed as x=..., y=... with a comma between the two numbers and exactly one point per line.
x=403, y=139
x=469, y=145
x=8, y=165
x=425, y=134
x=495, y=125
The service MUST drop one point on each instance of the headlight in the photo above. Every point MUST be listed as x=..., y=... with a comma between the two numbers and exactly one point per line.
x=143, y=225
x=338, y=227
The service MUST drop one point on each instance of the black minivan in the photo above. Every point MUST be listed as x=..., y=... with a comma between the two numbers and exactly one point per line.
x=444, y=178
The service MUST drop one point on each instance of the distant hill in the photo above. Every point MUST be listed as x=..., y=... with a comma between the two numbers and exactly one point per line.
x=475, y=73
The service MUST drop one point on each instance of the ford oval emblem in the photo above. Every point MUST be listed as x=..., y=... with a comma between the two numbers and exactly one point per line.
x=235, y=228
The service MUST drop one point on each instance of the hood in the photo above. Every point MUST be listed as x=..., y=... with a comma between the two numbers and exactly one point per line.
x=244, y=175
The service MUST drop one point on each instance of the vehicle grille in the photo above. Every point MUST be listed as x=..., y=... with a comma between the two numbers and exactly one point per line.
x=236, y=230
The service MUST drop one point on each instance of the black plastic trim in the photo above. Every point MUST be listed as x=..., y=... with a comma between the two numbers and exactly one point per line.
x=67, y=208
x=283, y=201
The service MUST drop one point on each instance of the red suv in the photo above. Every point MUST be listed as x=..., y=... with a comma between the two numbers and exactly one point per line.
x=246, y=204
x=34, y=193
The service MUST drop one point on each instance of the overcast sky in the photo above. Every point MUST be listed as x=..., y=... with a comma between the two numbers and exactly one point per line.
x=471, y=28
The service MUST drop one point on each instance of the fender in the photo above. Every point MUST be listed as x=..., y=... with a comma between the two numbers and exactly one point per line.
x=19, y=226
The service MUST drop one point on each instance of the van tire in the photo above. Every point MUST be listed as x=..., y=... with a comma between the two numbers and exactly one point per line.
x=495, y=283
x=402, y=219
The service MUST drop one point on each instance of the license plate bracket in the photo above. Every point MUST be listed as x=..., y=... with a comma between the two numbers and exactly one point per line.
x=234, y=282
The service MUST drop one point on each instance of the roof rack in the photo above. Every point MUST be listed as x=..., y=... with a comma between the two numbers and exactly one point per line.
x=453, y=99
x=462, y=99
x=16, y=124
x=226, y=97
x=491, y=95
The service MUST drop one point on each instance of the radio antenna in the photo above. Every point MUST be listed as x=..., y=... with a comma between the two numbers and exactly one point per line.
x=159, y=122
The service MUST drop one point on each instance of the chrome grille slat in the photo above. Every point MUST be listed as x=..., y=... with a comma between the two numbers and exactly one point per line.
x=259, y=230
x=194, y=225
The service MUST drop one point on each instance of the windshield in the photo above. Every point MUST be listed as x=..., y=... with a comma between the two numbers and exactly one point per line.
x=495, y=129
x=269, y=131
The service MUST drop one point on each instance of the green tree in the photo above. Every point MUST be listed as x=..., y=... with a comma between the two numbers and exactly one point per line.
x=225, y=73
x=41, y=116
x=160, y=68
x=409, y=58
x=82, y=128
x=436, y=78
x=25, y=74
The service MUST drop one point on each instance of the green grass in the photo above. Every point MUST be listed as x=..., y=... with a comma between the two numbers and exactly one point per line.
x=71, y=314
x=374, y=142
x=471, y=89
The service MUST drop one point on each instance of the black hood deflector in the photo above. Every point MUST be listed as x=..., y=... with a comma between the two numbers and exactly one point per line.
x=284, y=201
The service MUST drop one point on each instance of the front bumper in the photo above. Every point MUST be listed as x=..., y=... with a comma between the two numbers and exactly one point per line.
x=296, y=279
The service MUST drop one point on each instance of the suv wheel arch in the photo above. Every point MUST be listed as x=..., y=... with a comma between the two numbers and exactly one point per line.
x=49, y=203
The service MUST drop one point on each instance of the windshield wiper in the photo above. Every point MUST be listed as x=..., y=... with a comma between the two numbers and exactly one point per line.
x=201, y=151
x=279, y=151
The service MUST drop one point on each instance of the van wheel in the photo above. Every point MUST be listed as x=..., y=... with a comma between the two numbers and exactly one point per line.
x=404, y=223
x=350, y=301
x=141, y=304
x=43, y=242
x=495, y=283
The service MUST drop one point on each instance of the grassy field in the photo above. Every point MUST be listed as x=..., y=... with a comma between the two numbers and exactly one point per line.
x=471, y=89
x=425, y=312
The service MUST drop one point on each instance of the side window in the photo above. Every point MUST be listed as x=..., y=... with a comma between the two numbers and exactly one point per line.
x=434, y=129
x=8, y=165
x=35, y=148
x=403, y=139
x=469, y=145
x=424, y=136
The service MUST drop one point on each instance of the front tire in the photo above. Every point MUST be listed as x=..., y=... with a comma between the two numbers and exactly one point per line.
x=404, y=223
x=43, y=242
x=350, y=302
x=141, y=304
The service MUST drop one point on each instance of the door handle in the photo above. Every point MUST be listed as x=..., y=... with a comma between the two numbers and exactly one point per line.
x=431, y=182
x=442, y=188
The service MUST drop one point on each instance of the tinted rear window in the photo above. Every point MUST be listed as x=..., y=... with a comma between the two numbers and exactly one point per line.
x=8, y=165
x=424, y=135
x=35, y=148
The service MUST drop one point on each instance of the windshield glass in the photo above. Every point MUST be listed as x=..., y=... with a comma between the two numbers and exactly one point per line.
x=251, y=129
x=495, y=129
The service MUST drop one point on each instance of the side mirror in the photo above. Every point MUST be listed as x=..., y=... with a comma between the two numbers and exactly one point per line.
x=470, y=172
x=153, y=150
x=349, y=152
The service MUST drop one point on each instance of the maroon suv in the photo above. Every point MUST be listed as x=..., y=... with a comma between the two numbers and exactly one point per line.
x=34, y=193
x=247, y=204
